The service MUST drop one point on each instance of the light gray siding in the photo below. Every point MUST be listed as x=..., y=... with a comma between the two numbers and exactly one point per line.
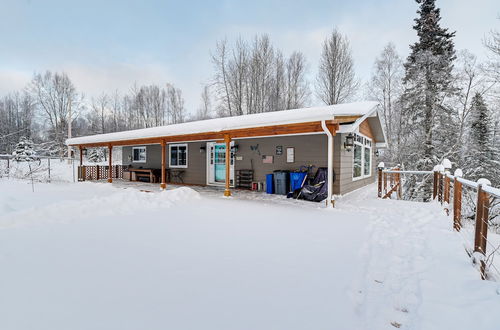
x=196, y=171
x=309, y=150
x=344, y=160
x=153, y=157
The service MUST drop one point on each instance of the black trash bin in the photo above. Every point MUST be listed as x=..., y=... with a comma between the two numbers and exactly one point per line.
x=281, y=182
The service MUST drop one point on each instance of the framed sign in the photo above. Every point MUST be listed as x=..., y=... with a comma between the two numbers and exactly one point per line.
x=290, y=155
x=267, y=159
x=279, y=150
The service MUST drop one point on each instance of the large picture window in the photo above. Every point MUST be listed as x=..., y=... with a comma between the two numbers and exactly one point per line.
x=178, y=155
x=139, y=154
x=362, y=157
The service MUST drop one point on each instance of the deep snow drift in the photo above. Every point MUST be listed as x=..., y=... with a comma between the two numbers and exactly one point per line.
x=93, y=256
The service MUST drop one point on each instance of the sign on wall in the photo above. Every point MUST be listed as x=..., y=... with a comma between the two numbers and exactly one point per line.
x=267, y=159
x=279, y=150
x=290, y=155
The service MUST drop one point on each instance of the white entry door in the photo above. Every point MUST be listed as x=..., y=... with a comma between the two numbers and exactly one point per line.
x=216, y=164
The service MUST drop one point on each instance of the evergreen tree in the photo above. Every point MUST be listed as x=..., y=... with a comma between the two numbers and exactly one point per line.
x=481, y=157
x=428, y=81
x=429, y=128
x=24, y=151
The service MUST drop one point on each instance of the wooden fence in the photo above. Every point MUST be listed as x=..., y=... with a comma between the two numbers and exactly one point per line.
x=474, y=206
x=100, y=172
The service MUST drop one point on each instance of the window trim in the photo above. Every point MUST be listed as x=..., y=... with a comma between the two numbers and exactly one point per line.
x=364, y=146
x=170, y=153
x=145, y=154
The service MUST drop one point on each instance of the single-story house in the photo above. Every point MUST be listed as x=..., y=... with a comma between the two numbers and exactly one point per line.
x=345, y=138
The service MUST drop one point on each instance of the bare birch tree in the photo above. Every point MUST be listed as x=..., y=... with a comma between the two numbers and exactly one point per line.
x=336, y=81
x=55, y=95
x=205, y=108
x=386, y=86
x=175, y=104
x=297, y=87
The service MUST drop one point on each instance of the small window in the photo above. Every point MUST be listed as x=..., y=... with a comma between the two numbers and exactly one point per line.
x=178, y=155
x=139, y=154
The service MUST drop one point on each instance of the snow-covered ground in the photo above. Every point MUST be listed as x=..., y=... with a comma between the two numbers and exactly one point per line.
x=98, y=256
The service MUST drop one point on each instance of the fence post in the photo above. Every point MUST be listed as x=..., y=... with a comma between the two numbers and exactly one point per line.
x=457, y=201
x=446, y=188
x=446, y=192
x=97, y=172
x=398, y=179
x=385, y=182
x=481, y=234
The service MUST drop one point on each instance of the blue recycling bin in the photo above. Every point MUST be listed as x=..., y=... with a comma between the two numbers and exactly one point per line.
x=296, y=179
x=269, y=184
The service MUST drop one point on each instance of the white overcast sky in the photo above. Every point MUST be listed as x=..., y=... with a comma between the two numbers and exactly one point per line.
x=109, y=45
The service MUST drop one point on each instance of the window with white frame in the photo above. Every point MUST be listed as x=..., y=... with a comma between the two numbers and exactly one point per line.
x=139, y=154
x=178, y=155
x=362, y=157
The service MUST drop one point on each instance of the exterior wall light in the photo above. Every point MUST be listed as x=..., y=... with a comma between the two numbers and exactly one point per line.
x=349, y=142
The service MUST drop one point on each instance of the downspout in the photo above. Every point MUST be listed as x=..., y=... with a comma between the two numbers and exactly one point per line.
x=329, y=200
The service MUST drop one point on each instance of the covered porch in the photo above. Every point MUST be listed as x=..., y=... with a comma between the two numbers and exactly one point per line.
x=314, y=129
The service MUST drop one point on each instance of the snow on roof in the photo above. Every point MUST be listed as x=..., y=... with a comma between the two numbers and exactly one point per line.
x=282, y=117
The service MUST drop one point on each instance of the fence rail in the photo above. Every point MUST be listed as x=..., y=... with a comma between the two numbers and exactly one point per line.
x=100, y=172
x=41, y=169
x=475, y=207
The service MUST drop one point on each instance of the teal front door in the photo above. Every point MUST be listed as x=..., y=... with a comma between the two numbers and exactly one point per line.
x=216, y=164
x=220, y=162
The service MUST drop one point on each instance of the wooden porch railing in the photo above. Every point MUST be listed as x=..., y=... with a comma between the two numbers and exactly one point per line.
x=99, y=172
x=476, y=203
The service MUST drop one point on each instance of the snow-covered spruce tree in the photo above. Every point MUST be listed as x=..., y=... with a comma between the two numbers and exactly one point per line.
x=481, y=156
x=429, y=130
x=95, y=155
x=24, y=151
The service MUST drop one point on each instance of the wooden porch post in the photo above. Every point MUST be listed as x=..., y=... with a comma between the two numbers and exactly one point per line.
x=163, y=184
x=227, y=139
x=81, y=169
x=110, y=166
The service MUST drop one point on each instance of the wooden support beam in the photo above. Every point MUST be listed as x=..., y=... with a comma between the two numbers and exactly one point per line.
x=227, y=139
x=110, y=166
x=163, y=184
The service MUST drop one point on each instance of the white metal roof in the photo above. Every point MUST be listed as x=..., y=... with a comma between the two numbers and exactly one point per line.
x=282, y=117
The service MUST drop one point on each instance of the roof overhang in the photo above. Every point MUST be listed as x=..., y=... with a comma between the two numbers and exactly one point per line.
x=375, y=123
x=286, y=122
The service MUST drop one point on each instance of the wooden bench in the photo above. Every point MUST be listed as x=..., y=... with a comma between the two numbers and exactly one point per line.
x=143, y=173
